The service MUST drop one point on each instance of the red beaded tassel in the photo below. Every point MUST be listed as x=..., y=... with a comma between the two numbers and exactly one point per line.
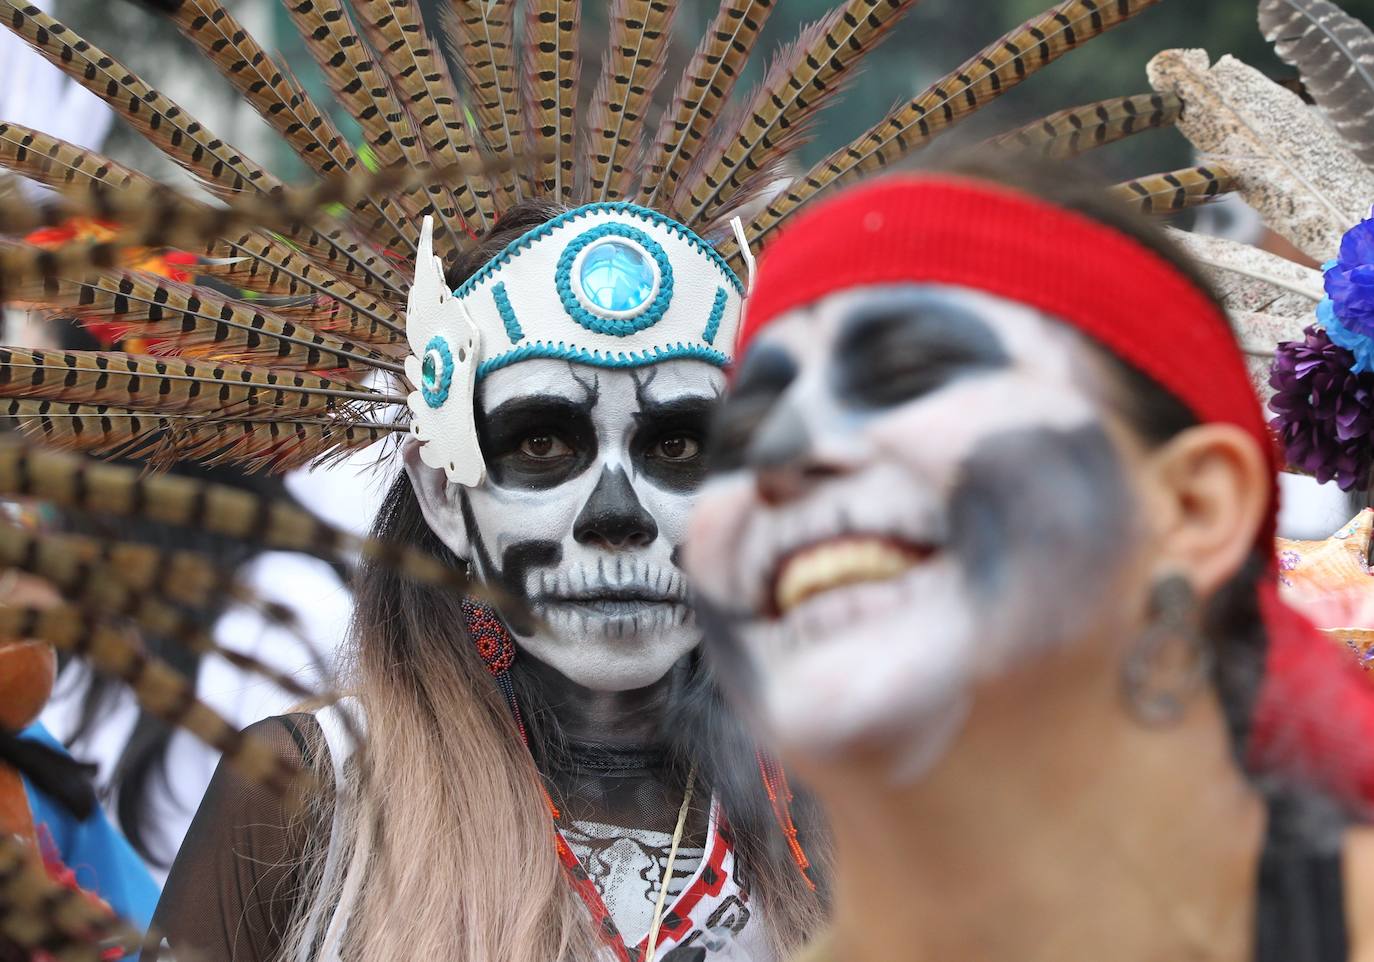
x=780, y=795
x=497, y=650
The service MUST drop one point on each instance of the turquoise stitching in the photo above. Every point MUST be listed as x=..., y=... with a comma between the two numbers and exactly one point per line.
x=508, y=318
x=436, y=396
x=562, y=351
x=615, y=327
x=713, y=322
x=523, y=242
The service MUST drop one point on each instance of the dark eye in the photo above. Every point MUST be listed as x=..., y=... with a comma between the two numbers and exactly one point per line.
x=677, y=447
x=544, y=447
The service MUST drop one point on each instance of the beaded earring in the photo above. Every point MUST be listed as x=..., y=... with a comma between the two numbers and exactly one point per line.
x=496, y=648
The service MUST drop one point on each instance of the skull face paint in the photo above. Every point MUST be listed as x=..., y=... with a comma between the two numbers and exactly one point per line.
x=591, y=476
x=913, y=488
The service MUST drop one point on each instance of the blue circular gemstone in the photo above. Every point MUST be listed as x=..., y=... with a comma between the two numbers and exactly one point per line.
x=617, y=276
x=429, y=371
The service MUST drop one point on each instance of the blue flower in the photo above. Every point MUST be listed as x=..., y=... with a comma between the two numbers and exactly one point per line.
x=1349, y=279
x=1342, y=336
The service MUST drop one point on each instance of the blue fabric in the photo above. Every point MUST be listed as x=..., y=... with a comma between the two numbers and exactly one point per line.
x=104, y=863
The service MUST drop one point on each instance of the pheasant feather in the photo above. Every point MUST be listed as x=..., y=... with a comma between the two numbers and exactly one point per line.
x=550, y=94
x=159, y=688
x=1334, y=54
x=702, y=93
x=1288, y=164
x=1176, y=190
x=633, y=64
x=421, y=77
x=481, y=36
x=798, y=85
x=1003, y=64
x=1071, y=132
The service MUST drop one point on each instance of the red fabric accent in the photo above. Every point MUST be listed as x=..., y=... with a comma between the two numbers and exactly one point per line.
x=1315, y=715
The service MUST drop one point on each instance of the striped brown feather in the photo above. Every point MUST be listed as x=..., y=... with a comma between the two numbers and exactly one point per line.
x=46, y=918
x=160, y=689
x=780, y=112
x=550, y=77
x=1070, y=132
x=270, y=90
x=176, y=385
x=69, y=482
x=633, y=64
x=222, y=169
x=702, y=93
x=271, y=443
x=192, y=320
x=421, y=77
x=481, y=37
x=1176, y=190
x=1000, y=66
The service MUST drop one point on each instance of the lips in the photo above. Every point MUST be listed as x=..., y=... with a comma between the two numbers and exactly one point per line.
x=613, y=602
x=840, y=562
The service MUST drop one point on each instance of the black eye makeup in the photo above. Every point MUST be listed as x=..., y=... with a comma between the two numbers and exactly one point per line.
x=895, y=347
x=536, y=442
x=763, y=377
x=669, y=446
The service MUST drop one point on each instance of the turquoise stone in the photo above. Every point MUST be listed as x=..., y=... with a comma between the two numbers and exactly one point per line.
x=617, y=276
x=428, y=370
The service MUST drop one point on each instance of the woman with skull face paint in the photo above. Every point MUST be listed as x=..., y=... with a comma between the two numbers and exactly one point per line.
x=990, y=536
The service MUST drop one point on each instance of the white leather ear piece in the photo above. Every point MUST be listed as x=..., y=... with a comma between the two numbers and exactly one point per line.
x=443, y=369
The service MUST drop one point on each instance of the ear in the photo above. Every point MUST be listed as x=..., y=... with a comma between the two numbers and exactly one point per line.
x=438, y=501
x=1211, y=487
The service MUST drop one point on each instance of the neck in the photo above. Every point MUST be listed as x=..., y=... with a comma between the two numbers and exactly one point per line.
x=622, y=719
x=1078, y=836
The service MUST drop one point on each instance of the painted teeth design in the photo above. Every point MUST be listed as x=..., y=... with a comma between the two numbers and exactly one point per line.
x=840, y=562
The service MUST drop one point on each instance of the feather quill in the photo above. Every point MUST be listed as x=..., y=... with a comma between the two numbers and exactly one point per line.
x=633, y=64
x=1002, y=65
x=1247, y=279
x=1334, y=54
x=481, y=37
x=1175, y=190
x=702, y=94
x=1071, y=132
x=1287, y=163
x=549, y=76
x=779, y=113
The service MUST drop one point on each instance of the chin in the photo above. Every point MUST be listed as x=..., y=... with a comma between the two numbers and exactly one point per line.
x=885, y=663
x=613, y=655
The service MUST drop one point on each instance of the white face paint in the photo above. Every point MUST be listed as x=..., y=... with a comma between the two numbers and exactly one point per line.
x=916, y=491
x=591, y=476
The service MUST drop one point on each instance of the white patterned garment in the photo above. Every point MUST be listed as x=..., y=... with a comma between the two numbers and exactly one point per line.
x=627, y=866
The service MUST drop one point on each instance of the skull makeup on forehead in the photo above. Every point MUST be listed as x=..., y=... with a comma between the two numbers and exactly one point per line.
x=563, y=397
x=916, y=488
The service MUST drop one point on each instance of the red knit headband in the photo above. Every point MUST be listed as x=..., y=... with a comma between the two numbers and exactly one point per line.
x=969, y=233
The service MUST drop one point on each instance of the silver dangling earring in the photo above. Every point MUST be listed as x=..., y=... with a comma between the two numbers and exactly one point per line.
x=1155, y=689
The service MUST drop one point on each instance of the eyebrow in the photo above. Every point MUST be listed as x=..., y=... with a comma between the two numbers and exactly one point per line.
x=688, y=405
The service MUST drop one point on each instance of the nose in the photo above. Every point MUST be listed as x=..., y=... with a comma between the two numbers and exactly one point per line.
x=613, y=516
x=785, y=460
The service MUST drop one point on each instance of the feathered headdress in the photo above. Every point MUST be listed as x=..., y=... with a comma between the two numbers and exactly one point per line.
x=308, y=331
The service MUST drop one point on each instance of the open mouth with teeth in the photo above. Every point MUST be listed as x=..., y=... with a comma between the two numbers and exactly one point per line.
x=840, y=562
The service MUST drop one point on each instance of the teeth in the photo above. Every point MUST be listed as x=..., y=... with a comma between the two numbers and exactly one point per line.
x=837, y=563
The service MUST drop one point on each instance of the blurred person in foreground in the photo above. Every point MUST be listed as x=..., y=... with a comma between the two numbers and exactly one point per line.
x=988, y=547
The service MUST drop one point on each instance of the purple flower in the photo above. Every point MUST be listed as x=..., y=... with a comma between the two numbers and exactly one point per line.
x=1325, y=411
x=1349, y=279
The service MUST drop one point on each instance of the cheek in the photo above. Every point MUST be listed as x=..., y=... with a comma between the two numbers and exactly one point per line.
x=717, y=522
x=935, y=435
x=506, y=516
